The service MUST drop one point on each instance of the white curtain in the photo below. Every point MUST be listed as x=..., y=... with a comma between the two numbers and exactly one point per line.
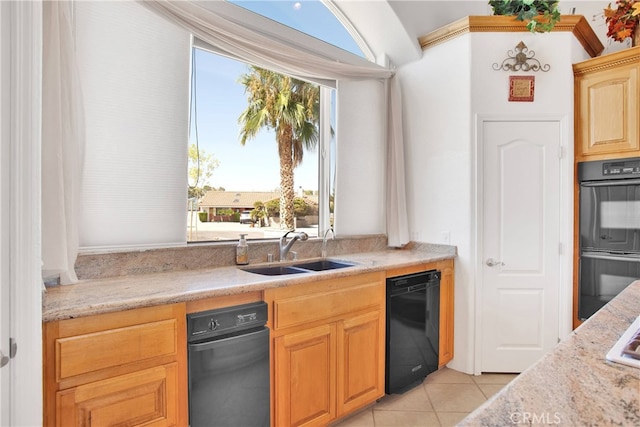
x=238, y=40
x=397, y=221
x=62, y=144
x=208, y=22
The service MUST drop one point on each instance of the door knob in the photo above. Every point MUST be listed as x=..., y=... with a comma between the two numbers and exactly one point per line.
x=492, y=262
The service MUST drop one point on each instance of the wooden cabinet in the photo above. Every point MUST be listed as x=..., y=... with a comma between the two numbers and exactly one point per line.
x=328, y=342
x=327, y=355
x=124, y=368
x=446, y=313
x=131, y=399
x=305, y=376
x=359, y=360
x=607, y=106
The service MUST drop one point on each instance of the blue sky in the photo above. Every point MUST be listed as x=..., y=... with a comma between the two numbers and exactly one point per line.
x=221, y=99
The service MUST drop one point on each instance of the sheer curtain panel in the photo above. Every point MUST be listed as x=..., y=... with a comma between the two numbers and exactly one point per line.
x=213, y=22
x=62, y=144
x=397, y=221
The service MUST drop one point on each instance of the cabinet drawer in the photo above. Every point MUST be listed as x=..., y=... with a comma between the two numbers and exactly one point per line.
x=81, y=354
x=308, y=308
x=148, y=397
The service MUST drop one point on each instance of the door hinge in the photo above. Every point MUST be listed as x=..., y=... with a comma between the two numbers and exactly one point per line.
x=561, y=152
x=13, y=348
x=560, y=248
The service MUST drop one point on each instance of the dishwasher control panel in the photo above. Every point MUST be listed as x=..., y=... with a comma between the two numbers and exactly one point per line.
x=242, y=319
x=228, y=320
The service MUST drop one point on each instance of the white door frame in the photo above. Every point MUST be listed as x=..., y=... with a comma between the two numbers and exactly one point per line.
x=5, y=227
x=565, y=298
x=25, y=282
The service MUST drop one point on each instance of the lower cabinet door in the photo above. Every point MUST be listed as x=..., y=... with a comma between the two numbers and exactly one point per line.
x=360, y=361
x=305, y=372
x=148, y=397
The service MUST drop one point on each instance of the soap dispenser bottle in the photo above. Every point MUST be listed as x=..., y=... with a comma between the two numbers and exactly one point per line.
x=242, y=251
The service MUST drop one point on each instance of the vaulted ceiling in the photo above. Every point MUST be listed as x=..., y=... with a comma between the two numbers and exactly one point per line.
x=392, y=27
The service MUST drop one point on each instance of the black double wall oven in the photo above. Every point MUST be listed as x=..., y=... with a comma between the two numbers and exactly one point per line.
x=609, y=225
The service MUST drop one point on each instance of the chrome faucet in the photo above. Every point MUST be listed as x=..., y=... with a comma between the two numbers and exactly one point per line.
x=324, y=241
x=285, y=246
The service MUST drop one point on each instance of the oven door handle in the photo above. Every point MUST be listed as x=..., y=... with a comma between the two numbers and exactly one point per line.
x=611, y=183
x=610, y=257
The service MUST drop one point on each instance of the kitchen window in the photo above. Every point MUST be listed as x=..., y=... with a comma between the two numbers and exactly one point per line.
x=227, y=179
x=247, y=178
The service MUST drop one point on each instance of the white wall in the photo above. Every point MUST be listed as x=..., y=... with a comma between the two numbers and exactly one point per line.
x=445, y=93
x=134, y=69
x=360, y=159
x=437, y=125
x=553, y=89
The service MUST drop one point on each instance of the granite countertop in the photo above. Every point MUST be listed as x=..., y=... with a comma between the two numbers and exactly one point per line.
x=574, y=384
x=97, y=296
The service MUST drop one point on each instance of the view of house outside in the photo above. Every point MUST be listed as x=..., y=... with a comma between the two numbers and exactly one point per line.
x=223, y=215
x=235, y=172
x=228, y=227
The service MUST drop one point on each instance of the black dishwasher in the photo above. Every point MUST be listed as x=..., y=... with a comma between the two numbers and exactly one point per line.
x=229, y=366
x=413, y=329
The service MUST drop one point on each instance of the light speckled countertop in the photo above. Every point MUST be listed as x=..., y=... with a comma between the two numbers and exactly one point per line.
x=97, y=296
x=574, y=385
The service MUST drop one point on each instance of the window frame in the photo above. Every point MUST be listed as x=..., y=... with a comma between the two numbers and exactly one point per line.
x=324, y=145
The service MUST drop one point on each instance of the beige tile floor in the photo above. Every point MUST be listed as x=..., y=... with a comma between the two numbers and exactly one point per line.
x=443, y=399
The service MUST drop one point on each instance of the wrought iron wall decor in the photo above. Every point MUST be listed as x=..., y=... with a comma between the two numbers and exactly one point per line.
x=521, y=59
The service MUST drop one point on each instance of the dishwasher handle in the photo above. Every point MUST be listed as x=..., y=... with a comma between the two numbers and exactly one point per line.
x=408, y=290
x=220, y=342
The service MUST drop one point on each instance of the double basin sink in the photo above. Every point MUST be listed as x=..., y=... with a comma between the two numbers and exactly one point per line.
x=301, y=267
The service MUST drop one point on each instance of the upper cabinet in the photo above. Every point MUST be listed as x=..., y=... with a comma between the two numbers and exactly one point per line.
x=607, y=105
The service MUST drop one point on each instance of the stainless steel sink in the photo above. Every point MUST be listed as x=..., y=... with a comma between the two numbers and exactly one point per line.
x=275, y=270
x=324, y=264
x=302, y=267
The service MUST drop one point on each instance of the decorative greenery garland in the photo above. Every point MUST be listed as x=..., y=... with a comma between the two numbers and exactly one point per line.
x=540, y=15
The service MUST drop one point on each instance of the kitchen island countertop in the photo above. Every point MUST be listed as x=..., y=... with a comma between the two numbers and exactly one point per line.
x=574, y=384
x=96, y=296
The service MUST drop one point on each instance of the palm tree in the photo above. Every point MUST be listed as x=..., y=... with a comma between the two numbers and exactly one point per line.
x=292, y=108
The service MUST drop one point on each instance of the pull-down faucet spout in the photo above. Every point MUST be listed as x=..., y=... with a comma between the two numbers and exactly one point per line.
x=285, y=246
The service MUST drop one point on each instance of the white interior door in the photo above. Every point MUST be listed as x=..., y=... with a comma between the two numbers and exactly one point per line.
x=520, y=243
